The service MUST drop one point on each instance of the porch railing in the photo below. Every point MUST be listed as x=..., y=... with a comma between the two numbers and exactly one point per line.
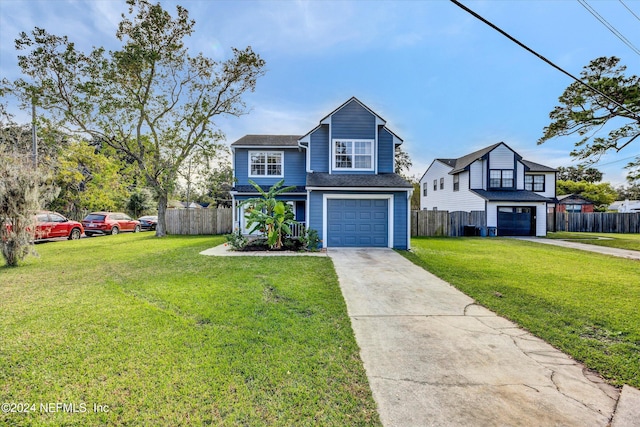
x=297, y=230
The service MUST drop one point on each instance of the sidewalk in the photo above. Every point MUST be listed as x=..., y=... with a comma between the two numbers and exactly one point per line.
x=621, y=253
x=434, y=357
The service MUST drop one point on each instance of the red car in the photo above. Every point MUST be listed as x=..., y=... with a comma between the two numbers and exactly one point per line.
x=50, y=225
x=109, y=223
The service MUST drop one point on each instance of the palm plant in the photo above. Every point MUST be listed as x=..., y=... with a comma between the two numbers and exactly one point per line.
x=272, y=217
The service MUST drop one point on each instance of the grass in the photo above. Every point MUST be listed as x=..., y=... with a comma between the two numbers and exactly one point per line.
x=612, y=240
x=164, y=336
x=583, y=303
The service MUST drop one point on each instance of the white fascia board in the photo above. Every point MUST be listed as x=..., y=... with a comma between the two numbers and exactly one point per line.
x=360, y=189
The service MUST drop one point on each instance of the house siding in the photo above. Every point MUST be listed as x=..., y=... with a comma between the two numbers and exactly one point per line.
x=315, y=212
x=386, y=152
x=447, y=199
x=400, y=233
x=293, y=163
x=319, y=146
x=353, y=121
x=501, y=158
x=520, y=176
x=477, y=174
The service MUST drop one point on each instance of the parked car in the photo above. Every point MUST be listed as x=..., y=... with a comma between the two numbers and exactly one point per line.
x=50, y=225
x=109, y=223
x=148, y=222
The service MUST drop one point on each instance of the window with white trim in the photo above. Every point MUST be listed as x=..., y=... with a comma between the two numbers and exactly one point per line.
x=266, y=164
x=353, y=154
x=501, y=178
x=534, y=183
x=424, y=189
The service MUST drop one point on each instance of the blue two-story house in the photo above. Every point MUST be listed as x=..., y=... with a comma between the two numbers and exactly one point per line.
x=343, y=174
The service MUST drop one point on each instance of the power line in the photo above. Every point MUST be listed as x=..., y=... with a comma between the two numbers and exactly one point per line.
x=630, y=11
x=528, y=49
x=618, y=161
x=610, y=27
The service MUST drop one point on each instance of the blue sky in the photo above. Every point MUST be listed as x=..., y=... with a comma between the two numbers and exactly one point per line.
x=444, y=82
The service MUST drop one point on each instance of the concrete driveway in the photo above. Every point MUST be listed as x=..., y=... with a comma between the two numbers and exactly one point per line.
x=435, y=358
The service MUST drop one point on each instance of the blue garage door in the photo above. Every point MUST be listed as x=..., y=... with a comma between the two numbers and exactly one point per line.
x=357, y=222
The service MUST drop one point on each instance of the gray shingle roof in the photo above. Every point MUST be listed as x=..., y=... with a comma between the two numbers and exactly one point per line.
x=463, y=162
x=536, y=167
x=511, y=196
x=384, y=180
x=267, y=141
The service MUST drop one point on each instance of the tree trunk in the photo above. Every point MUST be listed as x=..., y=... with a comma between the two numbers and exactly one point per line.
x=161, y=227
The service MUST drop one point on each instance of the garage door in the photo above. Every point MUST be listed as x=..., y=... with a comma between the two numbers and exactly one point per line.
x=357, y=222
x=516, y=221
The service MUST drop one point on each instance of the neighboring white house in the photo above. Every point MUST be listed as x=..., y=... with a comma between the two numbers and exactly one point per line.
x=626, y=206
x=512, y=192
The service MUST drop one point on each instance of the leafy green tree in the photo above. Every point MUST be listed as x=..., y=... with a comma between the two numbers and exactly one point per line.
x=218, y=184
x=630, y=192
x=151, y=100
x=140, y=201
x=403, y=161
x=90, y=181
x=579, y=173
x=601, y=194
x=585, y=112
x=269, y=215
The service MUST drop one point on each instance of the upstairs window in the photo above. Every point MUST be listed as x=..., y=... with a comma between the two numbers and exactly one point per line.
x=266, y=164
x=442, y=183
x=534, y=183
x=354, y=154
x=435, y=184
x=424, y=189
x=456, y=182
x=501, y=178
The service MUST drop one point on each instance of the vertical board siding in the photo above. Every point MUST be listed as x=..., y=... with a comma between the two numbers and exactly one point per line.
x=199, y=221
x=594, y=222
x=386, y=152
x=319, y=146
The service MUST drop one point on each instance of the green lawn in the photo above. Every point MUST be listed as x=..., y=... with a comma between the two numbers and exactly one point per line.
x=585, y=304
x=163, y=336
x=613, y=240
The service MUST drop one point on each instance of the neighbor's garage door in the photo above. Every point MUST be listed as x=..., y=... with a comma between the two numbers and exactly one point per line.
x=357, y=222
x=516, y=221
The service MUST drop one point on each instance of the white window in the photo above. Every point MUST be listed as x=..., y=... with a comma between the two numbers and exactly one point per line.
x=354, y=154
x=266, y=163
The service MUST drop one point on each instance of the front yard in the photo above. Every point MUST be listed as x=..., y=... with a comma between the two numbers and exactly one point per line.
x=134, y=330
x=583, y=303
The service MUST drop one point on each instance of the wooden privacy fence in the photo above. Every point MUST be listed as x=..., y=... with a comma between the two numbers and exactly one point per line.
x=594, y=222
x=443, y=223
x=199, y=221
